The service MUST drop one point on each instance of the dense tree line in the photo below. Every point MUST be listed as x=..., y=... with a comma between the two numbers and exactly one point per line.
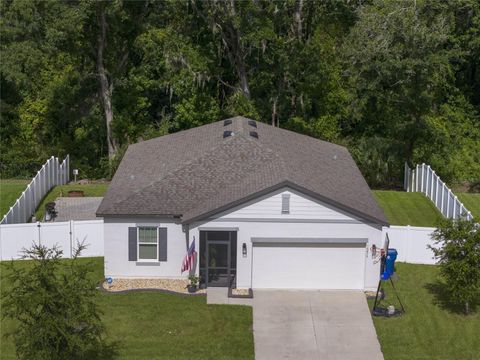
x=394, y=81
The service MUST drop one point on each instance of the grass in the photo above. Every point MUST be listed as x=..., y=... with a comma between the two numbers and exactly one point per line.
x=160, y=326
x=10, y=191
x=471, y=202
x=408, y=208
x=89, y=189
x=431, y=328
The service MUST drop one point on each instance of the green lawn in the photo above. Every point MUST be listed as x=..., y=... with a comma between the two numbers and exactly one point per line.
x=159, y=326
x=89, y=189
x=10, y=190
x=429, y=329
x=471, y=202
x=408, y=208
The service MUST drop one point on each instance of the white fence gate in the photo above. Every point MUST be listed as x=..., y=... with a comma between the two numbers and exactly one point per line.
x=412, y=242
x=423, y=179
x=66, y=235
x=51, y=174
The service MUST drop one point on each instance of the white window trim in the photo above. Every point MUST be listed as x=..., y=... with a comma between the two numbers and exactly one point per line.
x=146, y=243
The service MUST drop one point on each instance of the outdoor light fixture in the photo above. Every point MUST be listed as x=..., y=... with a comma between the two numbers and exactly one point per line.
x=244, y=250
x=75, y=173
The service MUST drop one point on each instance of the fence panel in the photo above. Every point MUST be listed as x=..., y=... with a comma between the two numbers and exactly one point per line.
x=16, y=237
x=56, y=234
x=412, y=242
x=46, y=178
x=423, y=179
x=88, y=233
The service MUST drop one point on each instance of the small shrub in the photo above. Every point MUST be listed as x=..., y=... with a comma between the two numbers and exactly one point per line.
x=53, y=303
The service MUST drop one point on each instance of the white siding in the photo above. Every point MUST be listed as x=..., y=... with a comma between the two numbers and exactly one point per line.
x=301, y=207
x=116, y=250
x=261, y=218
x=248, y=230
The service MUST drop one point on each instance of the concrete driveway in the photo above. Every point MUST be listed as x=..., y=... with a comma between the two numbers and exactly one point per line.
x=313, y=325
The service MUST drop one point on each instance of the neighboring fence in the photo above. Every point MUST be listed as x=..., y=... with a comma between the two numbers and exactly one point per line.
x=51, y=174
x=66, y=235
x=423, y=179
x=412, y=242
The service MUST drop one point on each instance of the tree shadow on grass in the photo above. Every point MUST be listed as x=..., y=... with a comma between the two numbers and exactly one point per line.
x=443, y=299
x=103, y=351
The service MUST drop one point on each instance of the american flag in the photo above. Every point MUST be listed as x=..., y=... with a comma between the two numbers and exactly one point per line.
x=189, y=259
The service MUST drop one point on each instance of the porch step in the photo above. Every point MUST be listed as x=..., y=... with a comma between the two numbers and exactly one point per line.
x=219, y=295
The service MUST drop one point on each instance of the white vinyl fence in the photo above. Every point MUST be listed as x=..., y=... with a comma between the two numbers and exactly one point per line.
x=66, y=235
x=412, y=242
x=51, y=174
x=423, y=179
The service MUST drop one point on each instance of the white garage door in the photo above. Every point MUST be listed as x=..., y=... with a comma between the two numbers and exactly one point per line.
x=308, y=266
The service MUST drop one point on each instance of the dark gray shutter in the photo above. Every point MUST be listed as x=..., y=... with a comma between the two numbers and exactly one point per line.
x=285, y=203
x=132, y=244
x=162, y=244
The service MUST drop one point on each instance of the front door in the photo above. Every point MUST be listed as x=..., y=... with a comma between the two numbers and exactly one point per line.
x=218, y=251
x=218, y=263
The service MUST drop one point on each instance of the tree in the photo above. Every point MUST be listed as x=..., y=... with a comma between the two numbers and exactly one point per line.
x=458, y=251
x=392, y=80
x=53, y=303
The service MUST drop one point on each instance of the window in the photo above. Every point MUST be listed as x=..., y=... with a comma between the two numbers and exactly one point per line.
x=148, y=243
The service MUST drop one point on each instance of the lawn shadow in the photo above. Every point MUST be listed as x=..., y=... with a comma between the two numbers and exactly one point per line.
x=104, y=350
x=443, y=299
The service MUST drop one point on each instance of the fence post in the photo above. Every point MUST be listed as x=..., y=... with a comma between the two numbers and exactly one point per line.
x=448, y=204
x=431, y=183
x=443, y=196
x=72, y=226
x=38, y=233
x=68, y=169
x=428, y=182
x=22, y=207
x=455, y=206
x=47, y=176
x=416, y=177
x=44, y=181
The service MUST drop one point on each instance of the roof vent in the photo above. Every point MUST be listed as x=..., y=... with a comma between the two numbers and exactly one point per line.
x=227, y=133
x=227, y=122
x=254, y=134
x=252, y=123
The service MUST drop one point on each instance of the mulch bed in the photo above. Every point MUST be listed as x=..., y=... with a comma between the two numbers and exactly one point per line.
x=166, y=286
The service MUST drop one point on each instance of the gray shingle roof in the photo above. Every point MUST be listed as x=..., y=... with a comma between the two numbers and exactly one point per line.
x=197, y=172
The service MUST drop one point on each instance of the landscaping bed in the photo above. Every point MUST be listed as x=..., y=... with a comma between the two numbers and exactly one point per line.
x=169, y=285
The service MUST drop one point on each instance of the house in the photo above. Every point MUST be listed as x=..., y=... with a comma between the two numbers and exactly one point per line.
x=267, y=207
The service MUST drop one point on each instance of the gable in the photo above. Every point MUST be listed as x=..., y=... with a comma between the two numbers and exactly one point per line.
x=301, y=207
